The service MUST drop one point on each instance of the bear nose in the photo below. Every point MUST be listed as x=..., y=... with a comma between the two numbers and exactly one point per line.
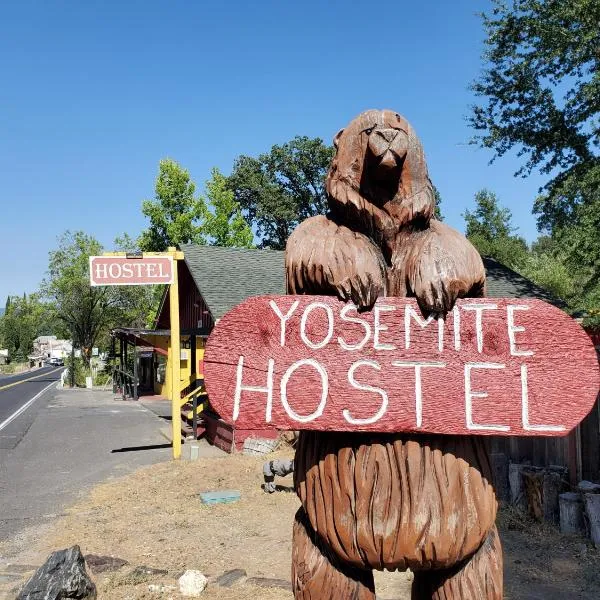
x=388, y=134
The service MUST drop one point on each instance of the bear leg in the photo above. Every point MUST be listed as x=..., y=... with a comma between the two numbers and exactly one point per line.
x=477, y=578
x=318, y=575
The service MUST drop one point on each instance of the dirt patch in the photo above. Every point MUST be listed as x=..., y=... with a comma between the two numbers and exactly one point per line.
x=154, y=518
x=540, y=563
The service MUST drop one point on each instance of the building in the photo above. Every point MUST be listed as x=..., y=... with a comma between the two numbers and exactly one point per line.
x=49, y=346
x=213, y=280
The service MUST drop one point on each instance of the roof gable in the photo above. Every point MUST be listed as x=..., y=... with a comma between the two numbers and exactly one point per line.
x=227, y=276
x=502, y=282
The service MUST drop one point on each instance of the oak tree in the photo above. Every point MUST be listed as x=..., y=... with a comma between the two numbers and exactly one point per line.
x=278, y=189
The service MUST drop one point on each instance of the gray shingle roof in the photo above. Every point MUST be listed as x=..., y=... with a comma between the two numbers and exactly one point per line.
x=503, y=282
x=226, y=276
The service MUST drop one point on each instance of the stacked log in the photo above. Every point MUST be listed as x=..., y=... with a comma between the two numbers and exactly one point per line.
x=537, y=490
x=571, y=513
x=533, y=483
x=517, y=492
x=555, y=483
x=591, y=502
x=500, y=471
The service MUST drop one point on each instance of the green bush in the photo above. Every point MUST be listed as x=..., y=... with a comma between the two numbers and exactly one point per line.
x=102, y=378
x=79, y=369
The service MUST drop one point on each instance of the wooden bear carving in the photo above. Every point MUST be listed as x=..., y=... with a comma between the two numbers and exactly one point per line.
x=389, y=501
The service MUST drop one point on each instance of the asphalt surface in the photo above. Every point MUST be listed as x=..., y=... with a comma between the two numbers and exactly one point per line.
x=19, y=394
x=62, y=444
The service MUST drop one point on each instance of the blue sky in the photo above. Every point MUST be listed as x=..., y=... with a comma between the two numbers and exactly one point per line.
x=93, y=94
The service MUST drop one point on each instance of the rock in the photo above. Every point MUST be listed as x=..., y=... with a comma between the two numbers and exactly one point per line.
x=100, y=564
x=192, y=583
x=257, y=446
x=230, y=577
x=267, y=582
x=62, y=576
x=161, y=588
x=144, y=570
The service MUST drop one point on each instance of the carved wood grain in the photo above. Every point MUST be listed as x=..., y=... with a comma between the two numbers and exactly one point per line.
x=556, y=390
x=396, y=502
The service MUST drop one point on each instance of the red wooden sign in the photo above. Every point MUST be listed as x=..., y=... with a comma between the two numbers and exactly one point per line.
x=492, y=367
x=120, y=270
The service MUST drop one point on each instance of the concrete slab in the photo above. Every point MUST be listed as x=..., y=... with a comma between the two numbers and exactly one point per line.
x=78, y=438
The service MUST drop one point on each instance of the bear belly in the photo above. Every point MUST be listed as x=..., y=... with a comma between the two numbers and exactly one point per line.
x=396, y=501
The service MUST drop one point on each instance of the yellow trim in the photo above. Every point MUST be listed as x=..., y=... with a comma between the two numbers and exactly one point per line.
x=175, y=363
x=176, y=254
x=190, y=414
x=196, y=392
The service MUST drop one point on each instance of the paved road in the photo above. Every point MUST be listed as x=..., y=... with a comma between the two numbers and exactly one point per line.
x=19, y=395
x=62, y=444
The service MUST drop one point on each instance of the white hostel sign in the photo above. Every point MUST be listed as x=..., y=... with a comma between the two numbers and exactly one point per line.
x=121, y=270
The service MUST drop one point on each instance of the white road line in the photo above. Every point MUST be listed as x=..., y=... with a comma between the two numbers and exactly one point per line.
x=25, y=406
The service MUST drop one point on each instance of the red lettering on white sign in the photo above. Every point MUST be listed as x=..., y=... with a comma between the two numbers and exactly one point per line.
x=120, y=270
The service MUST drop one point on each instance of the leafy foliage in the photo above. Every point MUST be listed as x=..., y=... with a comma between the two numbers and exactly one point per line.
x=490, y=230
x=541, y=97
x=87, y=312
x=541, y=85
x=279, y=189
x=438, y=202
x=580, y=247
x=25, y=318
x=174, y=213
x=545, y=266
x=224, y=224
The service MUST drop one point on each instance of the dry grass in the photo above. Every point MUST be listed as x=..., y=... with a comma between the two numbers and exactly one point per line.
x=154, y=518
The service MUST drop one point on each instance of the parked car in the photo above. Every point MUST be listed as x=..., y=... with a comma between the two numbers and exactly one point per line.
x=56, y=362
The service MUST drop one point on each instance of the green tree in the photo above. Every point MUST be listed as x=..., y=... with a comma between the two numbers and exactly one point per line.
x=438, y=204
x=175, y=213
x=541, y=96
x=83, y=309
x=224, y=223
x=546, y=267
x=490, y=230
x=279, y=189
x=580, y=248
x=25, y=319
x=87, y=312
x=138, y=303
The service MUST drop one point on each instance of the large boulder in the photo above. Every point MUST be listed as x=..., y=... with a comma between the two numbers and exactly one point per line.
x=62, y=577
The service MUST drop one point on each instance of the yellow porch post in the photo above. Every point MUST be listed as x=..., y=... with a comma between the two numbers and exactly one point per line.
x=175, y=357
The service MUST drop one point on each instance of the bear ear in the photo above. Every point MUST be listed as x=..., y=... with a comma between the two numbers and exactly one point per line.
x=337, y=137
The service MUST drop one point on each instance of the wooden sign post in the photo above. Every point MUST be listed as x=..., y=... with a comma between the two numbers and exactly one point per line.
x=149, y=268
x=492, y=367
